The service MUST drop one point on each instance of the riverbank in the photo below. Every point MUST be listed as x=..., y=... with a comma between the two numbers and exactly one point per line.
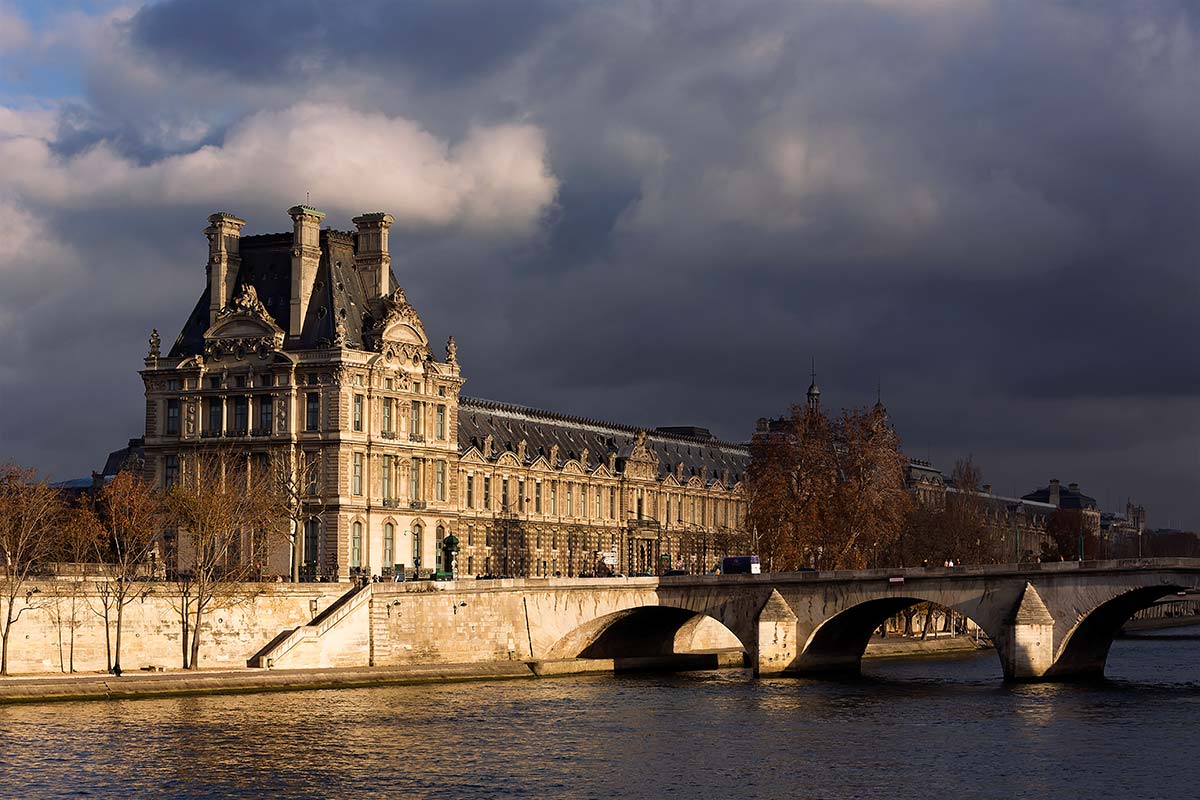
x=174, y=683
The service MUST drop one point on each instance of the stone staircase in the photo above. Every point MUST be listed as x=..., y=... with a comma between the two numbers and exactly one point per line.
x=313, y=645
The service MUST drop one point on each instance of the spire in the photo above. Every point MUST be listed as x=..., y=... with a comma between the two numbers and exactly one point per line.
x=879, y=396
x=814, y=393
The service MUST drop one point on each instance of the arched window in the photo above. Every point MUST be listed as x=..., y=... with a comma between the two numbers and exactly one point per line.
x=439, y=534
x=389, y=542
x=356, y=545
x=416, y=537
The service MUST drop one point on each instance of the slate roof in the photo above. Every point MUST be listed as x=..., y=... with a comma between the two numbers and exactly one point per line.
x=508, y=424
x=267, y=266
x=1067, y=497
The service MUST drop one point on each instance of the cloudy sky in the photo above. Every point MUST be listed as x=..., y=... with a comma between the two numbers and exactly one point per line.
x=650, y=212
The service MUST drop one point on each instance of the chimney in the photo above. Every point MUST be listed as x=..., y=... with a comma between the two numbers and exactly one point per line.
x=1074, y=487
x=987, y=488
x=306, y=255
x=224, y=234
x=1055, y=497
x=371, y=257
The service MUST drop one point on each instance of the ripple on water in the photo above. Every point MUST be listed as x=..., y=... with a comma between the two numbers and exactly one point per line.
x=907, y=728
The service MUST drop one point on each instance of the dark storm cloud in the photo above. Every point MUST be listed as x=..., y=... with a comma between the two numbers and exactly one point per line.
x=987, y=208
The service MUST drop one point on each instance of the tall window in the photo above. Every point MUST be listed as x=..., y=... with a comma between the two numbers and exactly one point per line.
x=570, y=502
x=439, y=537
x=521, y=495
x=215, y=413
x=265, y=414
x=470, y=491
x=389, y=543
x=387, y=414
x=241, y=414
x=357, y=482
x=414, y=480
x=537, y=497
x=312, y=539
x=358, y=412
x=386, y=475
x=312, y=411
x=668, y=509
x=596, y=508
x=554, y=497
x=172, y=417
x=487, y=491
x=416, y=537
x=504, y=494
x=356, y=545
x=415, y=426
x=170, y=471
x=441, y=422
x=612, y=502
x=441, y=480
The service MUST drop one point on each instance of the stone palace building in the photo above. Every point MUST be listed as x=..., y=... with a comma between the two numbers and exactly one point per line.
x=304, y=344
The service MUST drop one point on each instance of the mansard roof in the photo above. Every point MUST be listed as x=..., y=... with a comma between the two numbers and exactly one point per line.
x=508, y=424
x=267, y=266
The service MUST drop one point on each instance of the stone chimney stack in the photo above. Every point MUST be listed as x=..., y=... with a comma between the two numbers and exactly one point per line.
x=224, y=234
x=371, y=257
x=1055, y=492
x=306, y=255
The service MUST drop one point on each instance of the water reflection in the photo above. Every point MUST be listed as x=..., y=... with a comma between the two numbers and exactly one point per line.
x=906, y=728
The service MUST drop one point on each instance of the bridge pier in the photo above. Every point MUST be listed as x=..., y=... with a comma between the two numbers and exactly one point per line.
x=775, y=646
x=1027, y=645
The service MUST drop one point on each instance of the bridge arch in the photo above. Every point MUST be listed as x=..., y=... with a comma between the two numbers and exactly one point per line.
x=838, y=643
x=645, y=631
x=1084, y=651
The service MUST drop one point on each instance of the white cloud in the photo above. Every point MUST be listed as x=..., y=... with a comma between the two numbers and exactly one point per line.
x=496, y=181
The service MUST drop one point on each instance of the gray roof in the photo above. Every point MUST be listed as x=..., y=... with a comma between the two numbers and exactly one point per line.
x=267, y=266
x=508, y=424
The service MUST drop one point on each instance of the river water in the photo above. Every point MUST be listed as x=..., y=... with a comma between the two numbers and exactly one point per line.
x=924, y=728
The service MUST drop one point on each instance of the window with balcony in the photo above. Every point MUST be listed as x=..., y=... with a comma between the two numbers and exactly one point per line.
x=172, y=428
x=312, y=411
x=358, y=413
x=416, y=543
x=215, y=421
x=266, y=415
x=241, y=415
x=312, y=539
x=357, y=479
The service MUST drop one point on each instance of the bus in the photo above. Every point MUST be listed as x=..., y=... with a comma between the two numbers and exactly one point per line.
x=741, y=565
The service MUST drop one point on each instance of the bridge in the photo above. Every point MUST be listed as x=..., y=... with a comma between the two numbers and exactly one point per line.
x=1053, y=621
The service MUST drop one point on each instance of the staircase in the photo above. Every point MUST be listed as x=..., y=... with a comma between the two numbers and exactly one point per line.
x=311, y=645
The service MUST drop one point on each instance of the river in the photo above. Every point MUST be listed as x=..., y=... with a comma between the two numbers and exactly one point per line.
x=944, y=727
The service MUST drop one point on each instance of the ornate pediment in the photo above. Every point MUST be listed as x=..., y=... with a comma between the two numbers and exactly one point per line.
x=243, y=327
x=399, y=330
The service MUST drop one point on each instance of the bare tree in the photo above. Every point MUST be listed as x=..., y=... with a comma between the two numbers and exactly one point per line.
x=227, y=520
x=827, y=494
x=295, y=478
x=30, y=514
x=130, y=521
x=76, y=546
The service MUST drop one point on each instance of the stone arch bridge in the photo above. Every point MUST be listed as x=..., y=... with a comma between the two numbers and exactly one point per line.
x=1048, y=621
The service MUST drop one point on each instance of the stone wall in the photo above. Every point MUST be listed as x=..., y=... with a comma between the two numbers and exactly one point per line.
x=232, y=631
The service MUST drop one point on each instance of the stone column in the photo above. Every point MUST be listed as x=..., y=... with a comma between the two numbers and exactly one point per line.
x=776, y=647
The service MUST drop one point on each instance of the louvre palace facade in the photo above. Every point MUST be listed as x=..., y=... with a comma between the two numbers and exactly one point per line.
x=303, y=346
